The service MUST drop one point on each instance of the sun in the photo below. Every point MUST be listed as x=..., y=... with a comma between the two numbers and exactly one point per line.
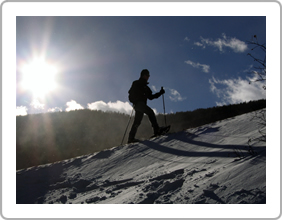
x=39, y=76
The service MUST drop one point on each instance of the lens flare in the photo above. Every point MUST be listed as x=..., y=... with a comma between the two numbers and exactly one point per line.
x=39, y=77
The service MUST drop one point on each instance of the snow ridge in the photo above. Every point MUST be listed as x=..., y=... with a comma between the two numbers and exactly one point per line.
x=209, y=164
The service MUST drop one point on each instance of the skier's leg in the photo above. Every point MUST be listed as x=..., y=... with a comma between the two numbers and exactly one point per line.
x=137, y=121
x=152, y=117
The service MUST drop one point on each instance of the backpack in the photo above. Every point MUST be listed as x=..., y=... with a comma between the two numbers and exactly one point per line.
x=130, y=95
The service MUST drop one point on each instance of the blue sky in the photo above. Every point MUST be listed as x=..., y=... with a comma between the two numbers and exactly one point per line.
x=200, y=61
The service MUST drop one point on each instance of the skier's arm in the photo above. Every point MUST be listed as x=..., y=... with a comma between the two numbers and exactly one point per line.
x=156, y=95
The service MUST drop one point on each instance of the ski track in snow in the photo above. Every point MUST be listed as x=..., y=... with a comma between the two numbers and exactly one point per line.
x=208, y=164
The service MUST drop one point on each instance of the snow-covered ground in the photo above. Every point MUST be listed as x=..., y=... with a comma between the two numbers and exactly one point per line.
x=210, y=164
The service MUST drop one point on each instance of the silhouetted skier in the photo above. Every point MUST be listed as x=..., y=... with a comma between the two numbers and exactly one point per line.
x=138, y=95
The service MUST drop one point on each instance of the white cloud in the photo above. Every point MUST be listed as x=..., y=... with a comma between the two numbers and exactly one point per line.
x=154, y=88
x=175, y=96
x=234, y=91
x=249, y=69
x=56, y=109
x=186, y=39
x=36, y=104
x=118, y=106
x=73, y=105
x=21, y=110
x=205, y=68
x=200, y=44
x=236, y=45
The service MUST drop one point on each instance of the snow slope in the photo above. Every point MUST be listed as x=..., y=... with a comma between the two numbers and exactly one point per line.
x=210, y=164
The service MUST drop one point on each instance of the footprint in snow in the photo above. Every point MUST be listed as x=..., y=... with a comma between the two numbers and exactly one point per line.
x=159, y=188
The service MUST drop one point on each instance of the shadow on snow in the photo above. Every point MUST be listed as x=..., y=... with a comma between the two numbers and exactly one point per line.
x=219, y=150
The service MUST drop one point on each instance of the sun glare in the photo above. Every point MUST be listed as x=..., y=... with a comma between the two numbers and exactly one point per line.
x=39, y=77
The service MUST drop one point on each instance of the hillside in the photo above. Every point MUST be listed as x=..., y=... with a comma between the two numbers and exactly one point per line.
x=51, y=137
x=214, y=163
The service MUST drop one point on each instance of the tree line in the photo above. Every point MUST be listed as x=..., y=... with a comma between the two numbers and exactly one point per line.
x=50, y=137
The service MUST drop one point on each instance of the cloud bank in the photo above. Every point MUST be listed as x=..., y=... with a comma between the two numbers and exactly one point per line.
x=21, y=110
x=56, y=109
x=73, y=105
x=233, y=43
x=234, y=91
x=118, y=106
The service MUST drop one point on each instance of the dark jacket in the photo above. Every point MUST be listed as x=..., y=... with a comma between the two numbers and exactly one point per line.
x=140, y=92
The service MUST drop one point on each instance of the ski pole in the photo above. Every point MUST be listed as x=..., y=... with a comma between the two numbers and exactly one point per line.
x=164, y=108
x=127, y=126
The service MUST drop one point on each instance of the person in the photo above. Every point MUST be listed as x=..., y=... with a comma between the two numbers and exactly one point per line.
x=138, y=95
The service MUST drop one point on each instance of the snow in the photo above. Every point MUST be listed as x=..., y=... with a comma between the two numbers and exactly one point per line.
x=210, y=164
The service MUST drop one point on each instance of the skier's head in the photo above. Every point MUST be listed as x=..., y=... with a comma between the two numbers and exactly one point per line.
x=145, y=74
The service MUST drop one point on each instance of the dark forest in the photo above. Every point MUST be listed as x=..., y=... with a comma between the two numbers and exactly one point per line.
x=50, y=137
